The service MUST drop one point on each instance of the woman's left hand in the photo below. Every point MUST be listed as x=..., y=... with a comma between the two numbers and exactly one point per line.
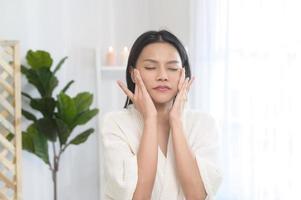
x=175, y=112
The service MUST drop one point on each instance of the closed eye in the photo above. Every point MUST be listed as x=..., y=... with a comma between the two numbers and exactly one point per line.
x=150, y=68
x=173, y=69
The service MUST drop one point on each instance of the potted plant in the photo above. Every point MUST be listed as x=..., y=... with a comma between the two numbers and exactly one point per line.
x=58, y=116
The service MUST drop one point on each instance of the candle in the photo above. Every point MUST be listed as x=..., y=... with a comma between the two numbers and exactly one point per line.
x=124, y=55
x=110, y=57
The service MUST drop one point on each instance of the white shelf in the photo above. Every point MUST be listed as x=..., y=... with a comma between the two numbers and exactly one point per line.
x=107, y=92
x=108, y=95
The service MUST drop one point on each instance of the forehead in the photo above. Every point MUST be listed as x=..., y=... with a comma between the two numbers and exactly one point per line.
x=161, y=51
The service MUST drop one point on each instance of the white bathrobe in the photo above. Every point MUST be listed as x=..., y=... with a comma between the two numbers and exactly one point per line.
x=121, y=132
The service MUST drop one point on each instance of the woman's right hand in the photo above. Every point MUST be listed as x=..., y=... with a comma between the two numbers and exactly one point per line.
x=141, y=98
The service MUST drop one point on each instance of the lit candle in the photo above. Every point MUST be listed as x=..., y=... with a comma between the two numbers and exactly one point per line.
x=124, y=55
x=110, y=57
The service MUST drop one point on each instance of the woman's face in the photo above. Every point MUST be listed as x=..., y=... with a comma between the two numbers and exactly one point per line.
x=159, y=65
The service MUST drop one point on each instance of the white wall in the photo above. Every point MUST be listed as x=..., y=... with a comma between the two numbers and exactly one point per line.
x=122, y=21
x=75, y=28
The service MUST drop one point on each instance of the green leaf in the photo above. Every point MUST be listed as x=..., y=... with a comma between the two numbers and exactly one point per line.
x=24, y=70
x=66, y=108
x=28, y=115
x=39, y=59
x=62, y=131
x=36, y=143
x=10, y=136
x=26, y=95
x=67, y=86
x=45, y=105
x=83, y=101
x=85, y=116
x=33, y=78
x=47, y=127
x=27, y=143
x=43, y=79
x=82, y=137
x=47, y=80
x=59, y=65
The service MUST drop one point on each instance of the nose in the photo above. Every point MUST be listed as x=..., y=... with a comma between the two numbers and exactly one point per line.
x=162, y=75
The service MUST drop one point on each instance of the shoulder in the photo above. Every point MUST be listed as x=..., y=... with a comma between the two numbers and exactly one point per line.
x=126, y=120
x=124, y=124
x=117, y=115
x=120, y=115
x=114, y=118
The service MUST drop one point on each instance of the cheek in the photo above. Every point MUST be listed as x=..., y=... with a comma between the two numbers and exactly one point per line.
x=145, y=79
x=175, y=79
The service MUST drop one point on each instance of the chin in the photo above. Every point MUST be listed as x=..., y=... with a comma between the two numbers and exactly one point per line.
x=162, y=100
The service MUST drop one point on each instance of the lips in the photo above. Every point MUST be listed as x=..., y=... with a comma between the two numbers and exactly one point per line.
x=162, y=88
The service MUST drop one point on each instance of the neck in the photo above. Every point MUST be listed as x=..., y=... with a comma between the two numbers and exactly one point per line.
x=163, y=110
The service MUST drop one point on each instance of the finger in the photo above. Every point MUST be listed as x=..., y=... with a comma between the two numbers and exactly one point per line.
x=184, y=88
x=136, y=91
x=125, y=89
x=185, y=84
x=140, y=82
x=182, y=79
x=182, y=92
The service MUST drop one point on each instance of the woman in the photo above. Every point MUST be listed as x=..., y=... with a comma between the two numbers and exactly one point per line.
x=155, y=148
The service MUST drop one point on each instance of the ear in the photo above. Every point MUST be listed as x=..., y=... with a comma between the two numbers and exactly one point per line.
x=132, y=74
x=185, y=70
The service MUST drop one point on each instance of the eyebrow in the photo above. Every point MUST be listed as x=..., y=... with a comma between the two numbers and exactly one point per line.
x=154, y=61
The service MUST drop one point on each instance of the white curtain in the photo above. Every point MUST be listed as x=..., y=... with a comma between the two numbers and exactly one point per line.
x=246, y=56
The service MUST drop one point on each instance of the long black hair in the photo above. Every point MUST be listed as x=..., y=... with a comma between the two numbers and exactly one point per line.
x=145, y=39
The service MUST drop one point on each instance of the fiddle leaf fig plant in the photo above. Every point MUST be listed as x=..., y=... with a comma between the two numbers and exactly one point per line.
x=55, y=118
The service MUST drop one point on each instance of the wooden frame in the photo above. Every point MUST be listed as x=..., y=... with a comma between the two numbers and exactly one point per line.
x=10, y=121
